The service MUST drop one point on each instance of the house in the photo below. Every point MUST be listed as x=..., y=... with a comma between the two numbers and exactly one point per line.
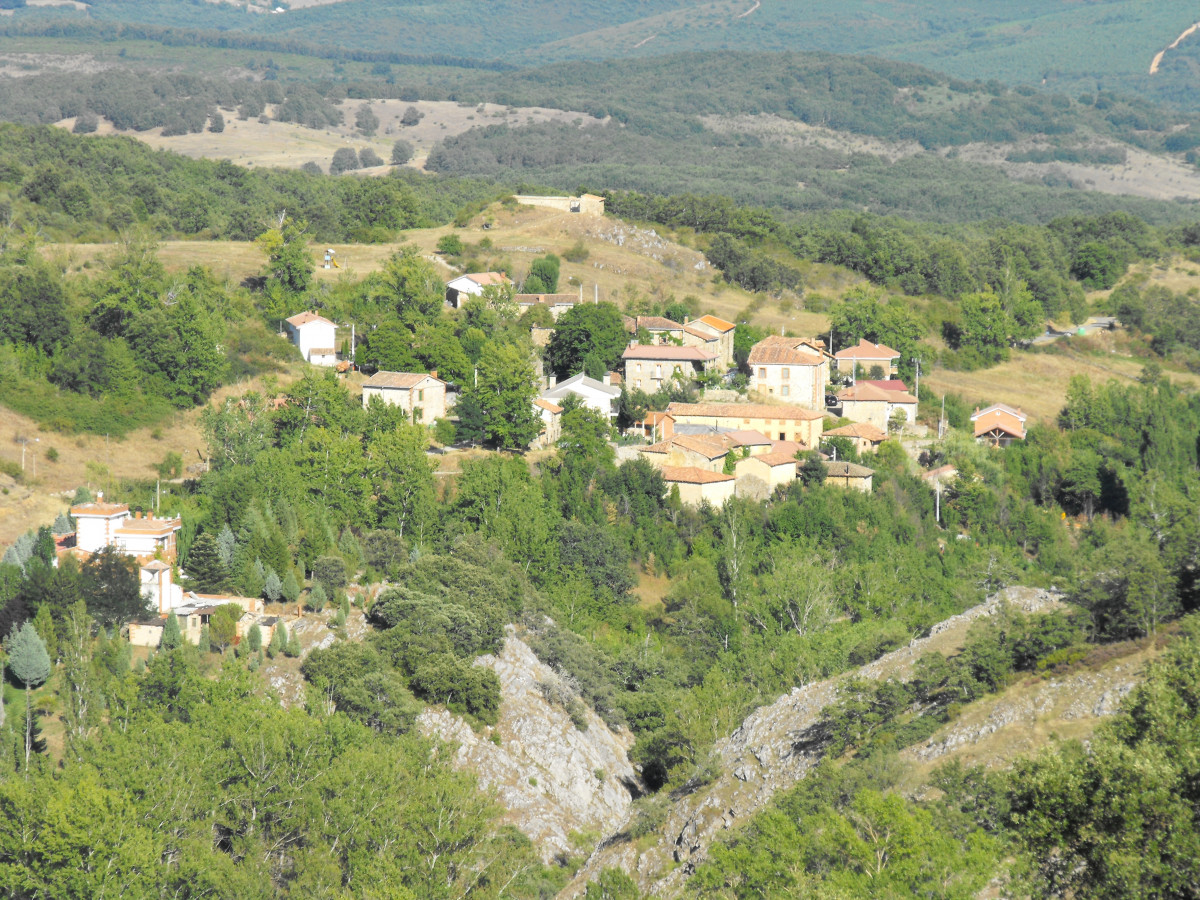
x=849, y=475
x=698, y=486
x=698, y=451
x=460, y=289
x=935, y=478
x=887, y=384
x=863, y=435
x=998, y=425
x=315, y=336
x=649, y=367
x=779, y=422
x=657, y=426
x=422, y=396
x=662, y=330
x=551, y=416
x=99, y=525
x=595, y=394
x=158, y=586
x=694, y=337
x=556, y=303
x=865, y=356
x=864, y=402
x=719, y=329
x=774, y=468
x=791, y=370
x=196, y=613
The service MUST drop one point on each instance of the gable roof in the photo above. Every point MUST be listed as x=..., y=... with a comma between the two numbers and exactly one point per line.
x=703, y=335
x=864, y=430
x=842, y=469
x=719, y=324
x=864, y=392
x=864, y=349
x=1002, y=407
x=776, y=458
x=692, y=475
x=776, y=350
x=99, y=509
x=483, y=279
x=548, y=406
x=667, y=352
x=398, y=380
x=306, y=318
x=1001, y=418
x=888, y=384
x=744, y=411
x=656, y=323
x=748, y=438
x=583, y=381
x=547, y=299
x=655, y=417
x=710, y=446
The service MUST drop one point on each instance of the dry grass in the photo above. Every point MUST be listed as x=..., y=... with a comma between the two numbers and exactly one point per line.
x=286, y=145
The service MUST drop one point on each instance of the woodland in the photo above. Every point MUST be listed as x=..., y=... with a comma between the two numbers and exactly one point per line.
x=185, y=774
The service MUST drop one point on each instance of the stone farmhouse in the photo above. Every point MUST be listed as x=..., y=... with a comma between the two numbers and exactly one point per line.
x=791, y=370
x=422, y=396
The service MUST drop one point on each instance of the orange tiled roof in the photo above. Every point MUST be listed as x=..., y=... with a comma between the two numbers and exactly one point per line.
x=399, y=380
x=548, y=406
x=864, y=349
x=305, y=317
x=657, y=322
x=864, y=430
x=776, y=458
x=868, y=392
x=777, y=351
x=693, y=475
x=743, y=411
x=719, y=324
x=667, y=352
x=99, y=509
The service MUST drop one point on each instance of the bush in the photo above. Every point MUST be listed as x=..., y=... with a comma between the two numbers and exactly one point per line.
x=344, y=160
x=450, y=245
x=576, y=253
x=369, y=159
x=402, y=152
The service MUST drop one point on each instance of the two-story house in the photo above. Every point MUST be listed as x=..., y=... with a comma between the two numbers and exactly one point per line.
x=649, y=367
x=422, y=396
x=792, y=370
x=315, y=336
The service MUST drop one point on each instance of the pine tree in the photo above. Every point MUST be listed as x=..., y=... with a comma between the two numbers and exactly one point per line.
x=205, y=645
x=254, y=638
x=293, y=646
x=43, y=623
x=172, y=637
x=278, y=642
x=62, y=524
x=204, y=567
x=272, y=586
x=317, y=598
x=291, y=587
x=29, y=663
x=226, y=546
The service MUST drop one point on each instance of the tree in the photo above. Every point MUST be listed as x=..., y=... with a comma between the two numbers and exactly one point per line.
x=110, y=585
x=222, y=625
x=216, y=123
x=1097, y=266
x=318, y=599
x=505, y=393
x=291, y=587
x=290, y=266
x=344, y=160
x=365, y=120
x=330, y=573
x=985, y=326
x=405, y=493
x=29, y=664
x=80, y=690
x=411, y=116
x=546, y=271
x=278, y=642
x=254, y=638
x=587, y=330
x=472, y=424
x=402, y=152
x=272, y=586
x=414, y=286
x=172, y=637
x=368, y=158
x=450, y=245
x=204, y=567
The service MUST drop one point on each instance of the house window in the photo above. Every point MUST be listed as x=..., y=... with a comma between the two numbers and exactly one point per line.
x=639, y=367
x=785, y=373
x=658, y=372
x=421, y=396
x=784, y=389
x=418, y=415
x=762, y=373
x=782, y=436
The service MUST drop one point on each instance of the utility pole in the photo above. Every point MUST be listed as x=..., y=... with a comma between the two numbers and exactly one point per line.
x=917, y=360
x=942, y=420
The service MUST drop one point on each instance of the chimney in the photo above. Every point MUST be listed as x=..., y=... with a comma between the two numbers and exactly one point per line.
x=433, y=373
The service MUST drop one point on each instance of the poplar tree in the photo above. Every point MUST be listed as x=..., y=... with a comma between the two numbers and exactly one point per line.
x=29, y=663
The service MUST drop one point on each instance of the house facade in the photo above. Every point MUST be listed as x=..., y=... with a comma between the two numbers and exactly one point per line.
x=696, y=451
x=719, y=329
x=866, y=356
x=697, y=486
x=595, y=394
x=790, y=370
x=774, y=469
x=863, y=435
x=422, y=396
x=551, y=416
x=775, y=422
x=315, y=337
x=865, y=403
x=557, y=304
x=649, y=367
x=998, y=425
x=462, y=288
x=849, y=475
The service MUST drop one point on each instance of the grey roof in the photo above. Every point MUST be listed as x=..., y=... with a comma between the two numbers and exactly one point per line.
x=580, y=380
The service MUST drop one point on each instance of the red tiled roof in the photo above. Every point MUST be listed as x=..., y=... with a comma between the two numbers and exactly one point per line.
x=657, y=322
x=703, y=335
x=864, y=430
x=693, y=475
x=667, y=352
x=777, y=458
x=99, y=509
x=866, y=350
x=744, y=411
x=399, y=380
x=719, y=324
x=548, y=406
x=868, y=392
x=888, y=384
x=305, y=317
x=776, y=350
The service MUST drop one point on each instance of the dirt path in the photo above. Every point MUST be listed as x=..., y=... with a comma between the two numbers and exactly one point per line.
x=1158, y=57
x=757, y=4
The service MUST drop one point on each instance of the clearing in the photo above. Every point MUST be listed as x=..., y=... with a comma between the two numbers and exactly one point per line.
x=250, y=142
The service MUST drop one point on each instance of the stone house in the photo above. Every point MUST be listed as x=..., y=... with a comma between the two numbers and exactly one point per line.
x=776, y=422
x=774, y=468
x=699, y=485
x=422, y=396
x=865, y=403
x=865, y=356
x=649, y=367
x=720, y=329
x=791, y=370
x=849, y=475
x=863, y=435
x=551, y=416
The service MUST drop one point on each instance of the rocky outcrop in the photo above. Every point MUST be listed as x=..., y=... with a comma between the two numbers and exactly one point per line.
x=551, y=776
x=766, y=754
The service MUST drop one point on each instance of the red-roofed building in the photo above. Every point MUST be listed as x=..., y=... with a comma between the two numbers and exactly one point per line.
x=315, y=337
x=459, y=289
x=792, y=370
x=422, y=396
x=648, y=367
x=999, y=425
x=721, y=331
x=697, y=486
x=866, y=403
x=866, y=355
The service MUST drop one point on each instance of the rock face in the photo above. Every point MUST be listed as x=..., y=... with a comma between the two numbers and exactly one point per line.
x=766, y=754
x=551, y=777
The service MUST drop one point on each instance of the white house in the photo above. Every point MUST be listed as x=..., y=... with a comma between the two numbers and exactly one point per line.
x=472, y=285
x=869, y=404
x=99, y=525
x=420, y=395
x=790, y=369
x=316, y=337
x=595, y=394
